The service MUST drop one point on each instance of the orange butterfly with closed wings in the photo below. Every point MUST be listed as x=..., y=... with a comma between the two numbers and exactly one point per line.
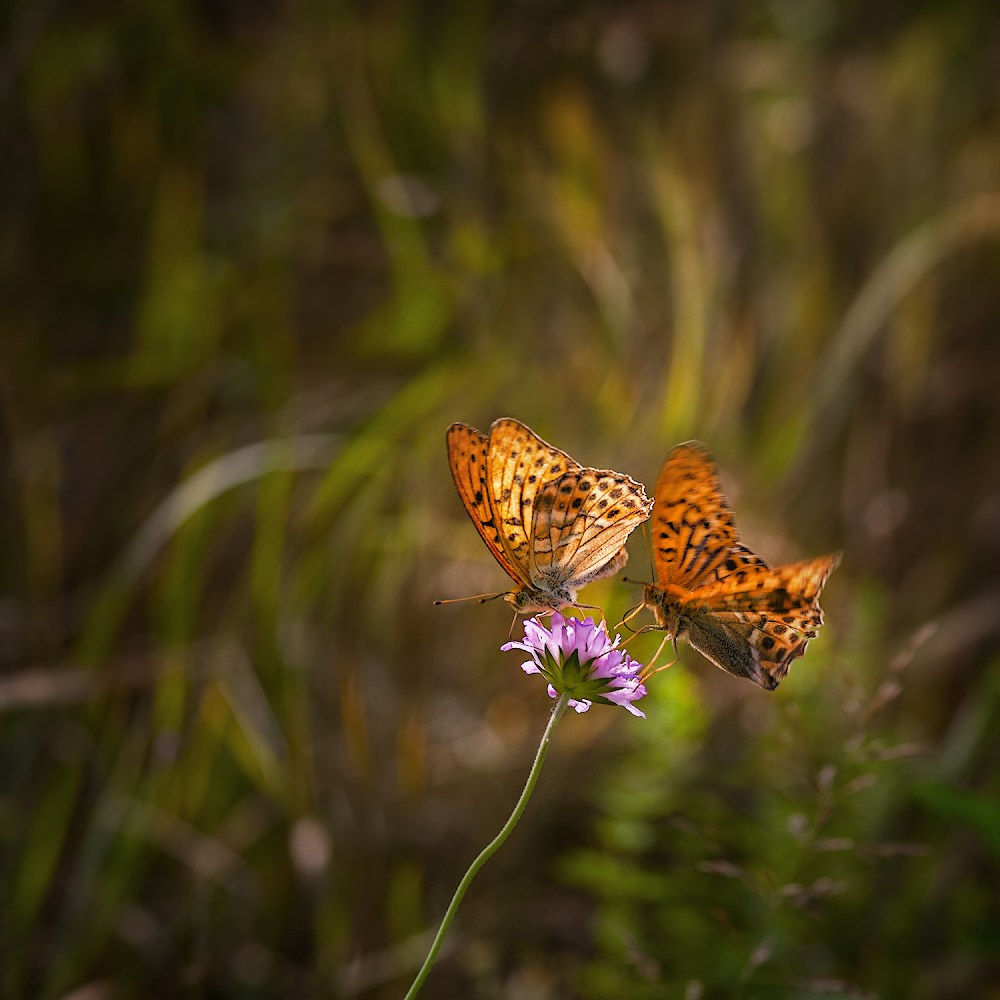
x=745, y=616
x=552, y=524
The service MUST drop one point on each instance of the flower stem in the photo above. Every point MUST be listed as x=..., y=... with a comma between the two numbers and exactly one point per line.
x=491, y=848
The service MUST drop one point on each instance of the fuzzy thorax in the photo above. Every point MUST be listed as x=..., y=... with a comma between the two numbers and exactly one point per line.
x=665, y=603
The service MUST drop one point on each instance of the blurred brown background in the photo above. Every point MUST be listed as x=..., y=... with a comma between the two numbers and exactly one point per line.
x=255, y=257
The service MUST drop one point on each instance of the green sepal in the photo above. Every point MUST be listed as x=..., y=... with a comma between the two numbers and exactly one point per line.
x=572, y=672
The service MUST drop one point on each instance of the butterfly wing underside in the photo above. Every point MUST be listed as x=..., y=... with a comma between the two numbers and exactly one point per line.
x=760, y=626
x=467, y=456
x=581, y=523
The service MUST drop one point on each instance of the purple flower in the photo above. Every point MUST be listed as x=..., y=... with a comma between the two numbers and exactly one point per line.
x=578, y=658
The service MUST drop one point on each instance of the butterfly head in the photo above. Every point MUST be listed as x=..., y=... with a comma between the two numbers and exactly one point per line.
x=652, y=596
x=528, y=601
x=659, y=601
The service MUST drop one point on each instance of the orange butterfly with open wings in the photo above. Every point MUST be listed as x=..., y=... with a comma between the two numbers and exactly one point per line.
x=552, y=524
x=725, y=600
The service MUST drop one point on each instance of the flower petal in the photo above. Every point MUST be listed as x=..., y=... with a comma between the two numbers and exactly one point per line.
x=507, y=646
x=578, y=658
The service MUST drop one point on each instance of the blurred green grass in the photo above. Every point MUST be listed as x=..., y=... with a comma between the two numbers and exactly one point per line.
x=256, y=257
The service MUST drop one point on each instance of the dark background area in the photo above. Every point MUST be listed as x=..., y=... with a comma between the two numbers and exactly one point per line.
x=255, y=257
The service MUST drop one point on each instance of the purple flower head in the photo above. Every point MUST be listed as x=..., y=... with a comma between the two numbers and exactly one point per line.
x=578, y=658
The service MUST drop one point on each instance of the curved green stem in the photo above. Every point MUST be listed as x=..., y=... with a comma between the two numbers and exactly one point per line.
x=490, y=849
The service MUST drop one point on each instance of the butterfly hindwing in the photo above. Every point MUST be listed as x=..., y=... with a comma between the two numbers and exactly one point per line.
x=467, y=454
x=783, y=590
x=745, y=648
x=775, y=612
x=726, y=647
x=581, y=523
x=611, y=510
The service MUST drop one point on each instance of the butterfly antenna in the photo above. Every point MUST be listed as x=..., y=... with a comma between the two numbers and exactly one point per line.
x=510, y=634
x=482, y=598
x=649, y=549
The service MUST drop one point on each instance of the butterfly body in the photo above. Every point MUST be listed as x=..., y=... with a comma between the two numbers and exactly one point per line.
x=552, y=524
x=747, y=617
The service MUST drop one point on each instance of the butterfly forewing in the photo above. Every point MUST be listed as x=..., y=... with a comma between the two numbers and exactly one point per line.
x=693, y=530
x=467, y=454
x=519, y=465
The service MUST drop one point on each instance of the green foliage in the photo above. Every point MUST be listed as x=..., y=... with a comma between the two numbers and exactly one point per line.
x=957, y=805
x=257, y=257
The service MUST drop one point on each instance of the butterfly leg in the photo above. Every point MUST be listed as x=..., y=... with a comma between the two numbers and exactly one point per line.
x=642, y=631
x=650, y=669
x=631, y=614
x=510, y=634
x=591, y=607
